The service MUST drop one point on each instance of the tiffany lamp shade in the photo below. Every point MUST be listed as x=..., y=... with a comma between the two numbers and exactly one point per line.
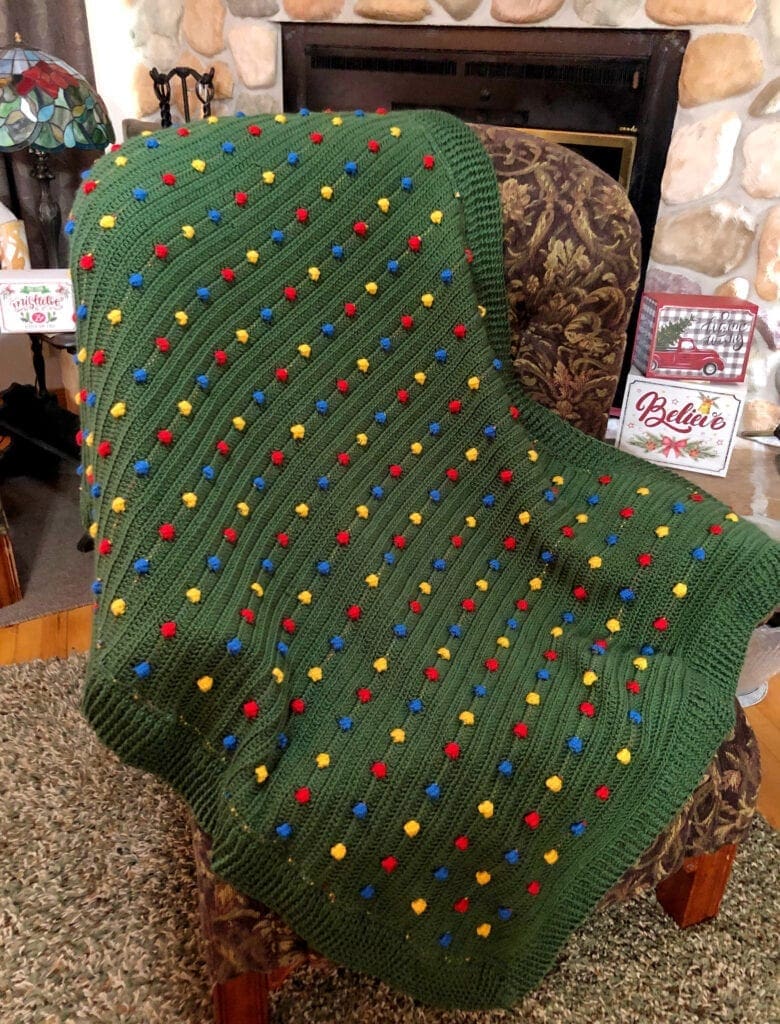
x=47, y=106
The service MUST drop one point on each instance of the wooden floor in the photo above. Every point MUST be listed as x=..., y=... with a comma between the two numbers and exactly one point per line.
x=57, y=636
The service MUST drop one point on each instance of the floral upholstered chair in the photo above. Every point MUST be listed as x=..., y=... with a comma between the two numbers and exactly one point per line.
x=572, y=253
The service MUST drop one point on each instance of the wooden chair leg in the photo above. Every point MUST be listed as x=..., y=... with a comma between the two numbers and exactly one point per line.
x=242, y=1000
x=693, y=893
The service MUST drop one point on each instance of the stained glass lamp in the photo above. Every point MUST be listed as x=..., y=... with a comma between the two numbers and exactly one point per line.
x=47, y=106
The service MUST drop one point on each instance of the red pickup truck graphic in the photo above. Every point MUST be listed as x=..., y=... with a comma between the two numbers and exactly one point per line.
x=687, y=356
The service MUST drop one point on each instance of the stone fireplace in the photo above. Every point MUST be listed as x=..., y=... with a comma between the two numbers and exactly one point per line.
x=715, y=185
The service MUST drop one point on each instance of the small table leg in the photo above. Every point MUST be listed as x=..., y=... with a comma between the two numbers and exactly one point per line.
x=242, y=1000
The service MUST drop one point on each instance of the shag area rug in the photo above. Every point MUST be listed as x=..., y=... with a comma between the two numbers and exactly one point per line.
x=98, y=908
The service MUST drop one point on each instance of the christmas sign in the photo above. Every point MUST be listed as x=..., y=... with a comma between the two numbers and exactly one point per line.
x=36, y=301
x=694, y=337
x=680, y=426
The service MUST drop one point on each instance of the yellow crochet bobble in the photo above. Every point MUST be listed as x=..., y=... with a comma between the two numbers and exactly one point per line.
x=419, y=906
x=242, y=508
x=212, y=119
x=118, y=606
x=415, y=448
x=362, y=439
x=239, y=422
x=362, y=365
x=82, y=355
x=298, y=431
x=436, y=216
x=484, y=930
x=589, y=677
x=395, y=131
x=482, y=877
x=268, y=177
x=533, y=698
x=732, y=517
x=470, y=521
x=181, y=318
x=184, y=407
x=305, y=597
x=662, y=531
x=624, y=755
x=188, y=230
x=482, y=311
x=472, y=454
x=199, y=165
x=189, y=499
x=415, y=518
x=261, y=774
x=89, y=440
x=481, y=585
x=556, y=631
x=277, y=674
x=280, y=118
x=193, y=595
x=397, y=735
x=412, y=828
x=362, y=512
x=121, y=161
x=107, y=221
x=557, y=480
x=242, y=336
x=613, y=625
x=372, y=580
x=252, y=255
x=524, y=518
x=118, y=505
x=380, y=664
x=420, y=378
x=205, y=683
x=371, y=287
x=304, y=350
x=322, y=760
x=680, y=589
x=486, y=808
x=444, y=653
x=114, y=316
x=535, y=583
x=338, y=851
x=503, y=641
x=551, y=856
x=383, y=204
x=302, y=509
x=337, y=121
x=473, y=383
x=314, y=273
x=118, y=409
x=427, y=300
x=466, y=717
x=640, y=663
x=424, y=587
x=315, y=674
x=554, y=783
x=533, y=455
x=326, y=192
x=257, y=589
x=595, y=562
x=93, y=529
x=581, y=517
x=643, y=491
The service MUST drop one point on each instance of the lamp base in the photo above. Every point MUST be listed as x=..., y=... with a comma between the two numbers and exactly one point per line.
x=49, y=214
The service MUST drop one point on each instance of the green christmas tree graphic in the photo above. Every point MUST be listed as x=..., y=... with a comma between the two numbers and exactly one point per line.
x=669, y=335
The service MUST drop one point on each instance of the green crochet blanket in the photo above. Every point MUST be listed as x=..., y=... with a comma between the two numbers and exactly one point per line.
x=431, y=667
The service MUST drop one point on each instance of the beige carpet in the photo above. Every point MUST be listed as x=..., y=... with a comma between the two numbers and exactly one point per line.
x=98, y=920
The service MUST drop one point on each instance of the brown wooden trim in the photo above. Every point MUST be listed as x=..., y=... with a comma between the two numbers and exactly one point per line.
x=242, y=1000
x=693, y=893
x=10, y=589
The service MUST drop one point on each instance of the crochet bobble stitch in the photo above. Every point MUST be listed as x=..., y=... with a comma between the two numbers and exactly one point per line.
x=327, y=479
